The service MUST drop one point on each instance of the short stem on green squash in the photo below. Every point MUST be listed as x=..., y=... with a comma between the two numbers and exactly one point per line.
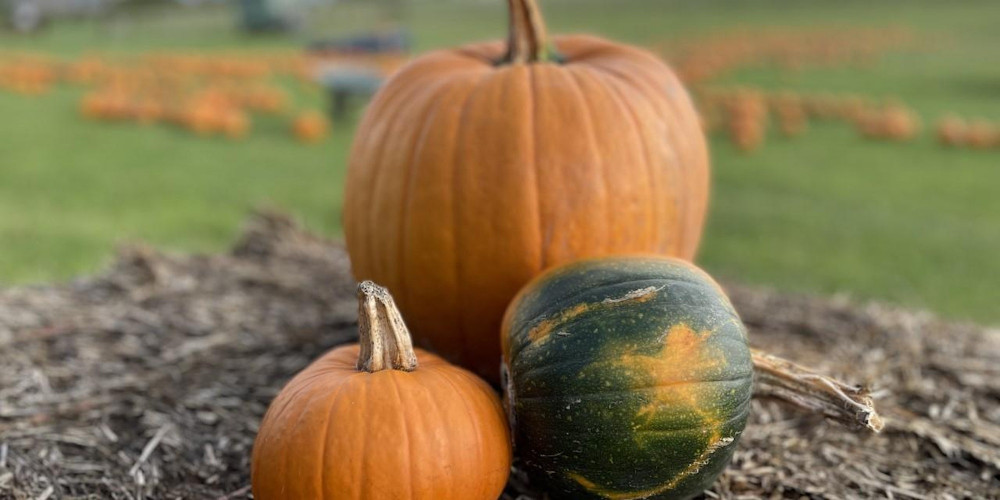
x=385, y=340
x=784, y=381
x=528, y=39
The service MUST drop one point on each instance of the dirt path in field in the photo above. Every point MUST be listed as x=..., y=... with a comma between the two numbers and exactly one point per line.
x=149, y=381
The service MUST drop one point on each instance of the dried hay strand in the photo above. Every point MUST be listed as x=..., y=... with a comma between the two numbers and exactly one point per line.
x=149, y=380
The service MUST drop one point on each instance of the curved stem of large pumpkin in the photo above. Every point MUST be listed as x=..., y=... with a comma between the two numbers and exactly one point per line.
x=528, y=39
x=384, y=338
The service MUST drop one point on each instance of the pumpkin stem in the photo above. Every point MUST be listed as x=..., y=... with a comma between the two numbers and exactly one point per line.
x=528, y=40
x=782, y=380
x=384, y=338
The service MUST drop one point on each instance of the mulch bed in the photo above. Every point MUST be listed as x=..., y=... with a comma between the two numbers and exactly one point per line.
x=149, y=380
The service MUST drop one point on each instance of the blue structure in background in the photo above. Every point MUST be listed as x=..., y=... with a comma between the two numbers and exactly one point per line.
x=345, y=80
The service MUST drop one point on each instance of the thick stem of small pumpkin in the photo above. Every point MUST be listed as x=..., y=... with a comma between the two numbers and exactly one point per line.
x=782, y=380
x=385, y=340
x=528, y=40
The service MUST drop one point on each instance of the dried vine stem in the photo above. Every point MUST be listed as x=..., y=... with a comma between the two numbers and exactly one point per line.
x=790, y=383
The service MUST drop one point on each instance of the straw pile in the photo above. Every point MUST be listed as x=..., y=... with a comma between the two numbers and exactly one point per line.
x=149, y=380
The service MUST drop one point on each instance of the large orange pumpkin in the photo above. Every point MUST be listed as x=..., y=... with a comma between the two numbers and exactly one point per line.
x=380, y=420
x=476, y=168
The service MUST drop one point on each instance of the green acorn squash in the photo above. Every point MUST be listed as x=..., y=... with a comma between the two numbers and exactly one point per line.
x=625, y=378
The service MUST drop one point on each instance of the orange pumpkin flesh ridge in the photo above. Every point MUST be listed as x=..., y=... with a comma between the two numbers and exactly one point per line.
x=476, y=168
x=382, y=420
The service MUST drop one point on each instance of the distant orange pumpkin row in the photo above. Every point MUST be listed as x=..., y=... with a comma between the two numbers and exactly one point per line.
x=705, y=58
x=978, y=133
x=745, y=112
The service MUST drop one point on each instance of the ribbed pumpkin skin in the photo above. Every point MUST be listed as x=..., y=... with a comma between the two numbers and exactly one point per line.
x=436, y=433
x=627, y=378
x=468, y=178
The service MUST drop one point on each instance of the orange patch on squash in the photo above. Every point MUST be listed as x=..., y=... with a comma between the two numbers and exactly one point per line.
x=542, y=330
x=684, y=353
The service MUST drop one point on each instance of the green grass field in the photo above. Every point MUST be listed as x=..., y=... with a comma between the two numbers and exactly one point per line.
x=908, y=223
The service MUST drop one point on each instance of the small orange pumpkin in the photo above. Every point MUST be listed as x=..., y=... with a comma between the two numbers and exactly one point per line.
x=235, y=123
x=747, y=119
x=365, y=422
x=202, y=119
x=791, y=114
x=476, y=168
x=952, y=130
x=310, y=127
x=748, y=136
x=900, y=123
x=981, y=134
